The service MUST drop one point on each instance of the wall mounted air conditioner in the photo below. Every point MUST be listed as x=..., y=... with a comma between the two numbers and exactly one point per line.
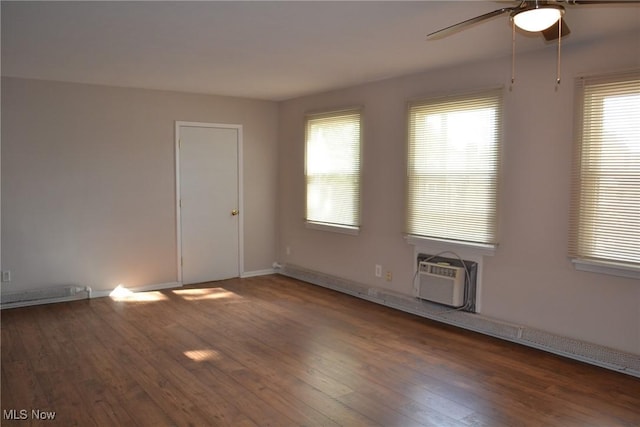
x=441, y=283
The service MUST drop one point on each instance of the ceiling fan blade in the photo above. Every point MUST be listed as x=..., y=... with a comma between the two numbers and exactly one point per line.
x=551, y=33
x=460, y=25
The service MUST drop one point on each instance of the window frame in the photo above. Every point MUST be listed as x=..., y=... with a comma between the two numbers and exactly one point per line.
x=342, y=228
x=480, y=247
x=580, y=255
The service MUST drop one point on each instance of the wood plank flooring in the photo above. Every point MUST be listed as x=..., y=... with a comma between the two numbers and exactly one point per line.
x=274, y=351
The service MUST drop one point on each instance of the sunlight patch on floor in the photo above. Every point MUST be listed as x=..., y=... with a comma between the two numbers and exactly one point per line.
x=202, y=355
x=121, y=293
x=206, y=293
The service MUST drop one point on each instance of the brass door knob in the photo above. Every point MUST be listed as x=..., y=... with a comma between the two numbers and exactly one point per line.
x=235, y=212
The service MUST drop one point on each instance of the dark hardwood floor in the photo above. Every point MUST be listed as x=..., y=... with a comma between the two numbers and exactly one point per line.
x=273, y=351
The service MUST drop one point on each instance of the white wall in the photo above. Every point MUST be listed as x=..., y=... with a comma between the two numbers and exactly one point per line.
x=529, y=281
x=88, y=182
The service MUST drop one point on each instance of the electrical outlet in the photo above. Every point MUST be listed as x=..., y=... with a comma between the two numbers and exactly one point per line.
x=388, y=276
x=6, y=276
x=378, y=270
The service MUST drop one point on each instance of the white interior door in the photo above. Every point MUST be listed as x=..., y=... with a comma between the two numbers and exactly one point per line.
x=209, y=210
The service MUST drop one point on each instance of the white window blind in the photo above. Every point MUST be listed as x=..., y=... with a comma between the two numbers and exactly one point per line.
x=332, y=169
x=605, y=202
x=453, y=167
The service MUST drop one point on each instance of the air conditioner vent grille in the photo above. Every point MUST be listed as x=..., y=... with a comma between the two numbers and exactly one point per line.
x=438, y=270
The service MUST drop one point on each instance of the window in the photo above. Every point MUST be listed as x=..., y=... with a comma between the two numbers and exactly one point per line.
x=605, y=205
x=453, y=168
x=332, y=170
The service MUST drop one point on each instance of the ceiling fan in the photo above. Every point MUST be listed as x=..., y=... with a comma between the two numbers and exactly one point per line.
x=531, y=16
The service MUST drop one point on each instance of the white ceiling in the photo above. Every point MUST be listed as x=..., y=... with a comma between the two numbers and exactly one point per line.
x=271, y=50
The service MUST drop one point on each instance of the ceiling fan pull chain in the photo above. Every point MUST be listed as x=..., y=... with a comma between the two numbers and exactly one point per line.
x=559, y=54
x=513, y=53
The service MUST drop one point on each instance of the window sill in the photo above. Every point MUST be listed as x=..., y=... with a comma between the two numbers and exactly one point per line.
x=353, y=231
x=610, y=268
x=451, y=246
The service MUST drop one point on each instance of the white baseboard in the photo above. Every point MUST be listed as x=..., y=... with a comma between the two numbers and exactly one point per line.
x=572, y=348
x=257, y=273
x=49, y=295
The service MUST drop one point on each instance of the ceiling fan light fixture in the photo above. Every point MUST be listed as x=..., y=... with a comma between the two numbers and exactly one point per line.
x=538, y=18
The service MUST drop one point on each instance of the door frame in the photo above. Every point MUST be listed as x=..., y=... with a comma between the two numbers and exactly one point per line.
x=178, y=125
